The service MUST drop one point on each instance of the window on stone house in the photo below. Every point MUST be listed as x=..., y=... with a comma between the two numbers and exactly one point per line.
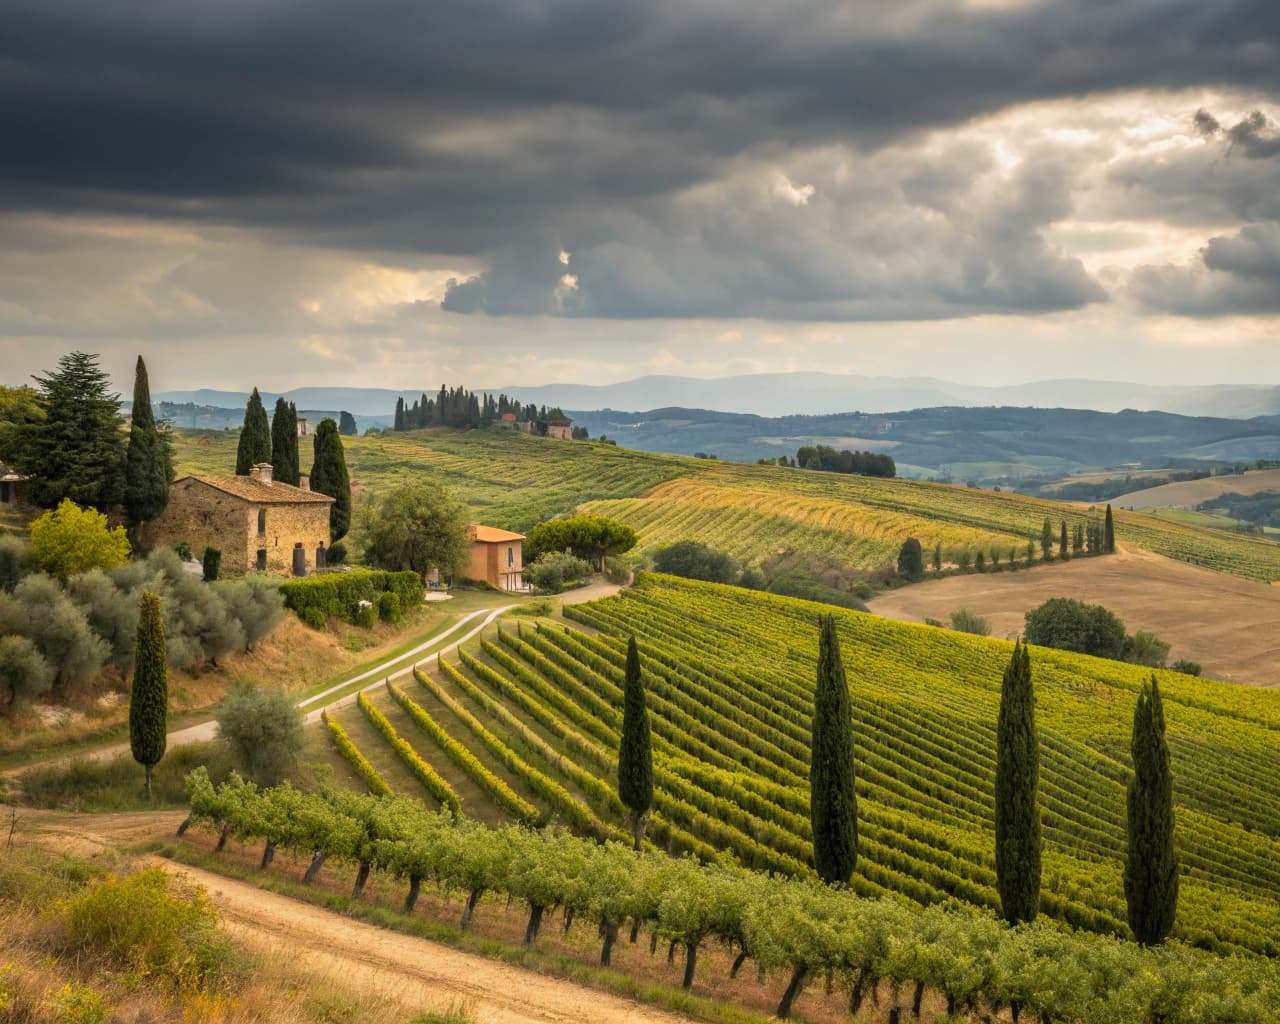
x=262, y=520
x=511, y=557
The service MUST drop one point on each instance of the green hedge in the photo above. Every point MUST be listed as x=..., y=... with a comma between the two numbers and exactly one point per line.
x=340, y=593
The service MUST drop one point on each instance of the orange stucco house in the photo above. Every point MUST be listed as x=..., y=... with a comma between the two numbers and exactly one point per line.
x=497, y=557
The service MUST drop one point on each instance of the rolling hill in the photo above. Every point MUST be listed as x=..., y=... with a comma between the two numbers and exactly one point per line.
x=524, y=724
x=515, y=481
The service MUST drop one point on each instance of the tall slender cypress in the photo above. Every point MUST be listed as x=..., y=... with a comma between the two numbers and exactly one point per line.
x=329, y=476
x=1109, y=533
x=1062, y=541
x=1017, y=780
x=284, y=443
x=1151, y=865
x=148, y=466
x=149, y=697
x=833, y=803
x=635, y=756
x=255, y=437
x=399, y=421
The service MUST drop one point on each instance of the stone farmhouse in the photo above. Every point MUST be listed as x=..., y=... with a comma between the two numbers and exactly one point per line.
x=497, y=557
x=561, y=428
x=257, y=523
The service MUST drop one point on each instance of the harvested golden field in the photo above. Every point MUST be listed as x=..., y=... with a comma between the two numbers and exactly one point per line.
x=1189, y=493
x=1224, y=622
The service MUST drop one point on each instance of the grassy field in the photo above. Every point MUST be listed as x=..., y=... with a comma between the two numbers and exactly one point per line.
x=514, y=481
x=730, y=675
x=1189, y=493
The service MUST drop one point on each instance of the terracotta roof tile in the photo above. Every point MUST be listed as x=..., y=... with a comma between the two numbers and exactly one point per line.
x=249, y=488
x=491, y=534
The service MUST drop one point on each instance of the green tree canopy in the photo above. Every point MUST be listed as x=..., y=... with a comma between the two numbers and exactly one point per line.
x=1151, y=863
x=23, y=672
x=346, y=424
x=255, y=437
x=1072, y=625
x=264, y=730
x=635, y=755
x=694, y=560
x=77, y=450
x=419, y=526
x=148, y=466
x=329, y=476
x=149, y=696
x=20, y=408
x=833, y=801
x=911, y=559
x=1017, y=802
x=590, y=537
x=71, y=539
x=284, y=443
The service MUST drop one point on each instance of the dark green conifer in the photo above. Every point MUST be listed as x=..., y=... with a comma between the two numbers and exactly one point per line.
x=833, y=803
x=284, y=443
x=635, y=756
x=1017, y=780
x=148, y=467
x=1062, y=541
x=399, y=421
x=1151, y=865
x=329, y=476
x=149, y=697
x=255, y=437
x=1109, y=534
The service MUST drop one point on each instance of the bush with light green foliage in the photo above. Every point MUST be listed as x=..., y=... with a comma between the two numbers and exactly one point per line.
x=965, y=621
x=263, y=728
x=556, y=570
x=71, y=539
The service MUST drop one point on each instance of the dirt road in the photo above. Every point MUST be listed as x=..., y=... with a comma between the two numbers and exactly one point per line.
x=1224, y=622
x=419, y=974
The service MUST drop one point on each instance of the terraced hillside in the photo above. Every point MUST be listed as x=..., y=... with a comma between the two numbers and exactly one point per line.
x=755, y=512
x=525, y=726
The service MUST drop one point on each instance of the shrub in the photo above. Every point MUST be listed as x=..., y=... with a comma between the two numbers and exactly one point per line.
x=619, y=568
x=314, y=618
x=965, y=621
x=532, y=608
x=752, y=579
x=911, y=559
x=23, y=672
x=79, y=1005
x=340, y=593
x=15, y=561
x=337, y=553
x=367, y=616
x=263, y=728
x=211, y=563
x=1190, y=668
x=40, y=610
x=804, y=583
x=696, y=561
x=183, y=550
x=555, y=570
x=72, y=539
x=137, y=924
x=1146, y=649
x=389, y=607
x=1072, y=625
x=933, y=622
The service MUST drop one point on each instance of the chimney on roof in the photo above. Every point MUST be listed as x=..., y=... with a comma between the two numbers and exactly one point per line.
x=304, y=482
x=262, y=471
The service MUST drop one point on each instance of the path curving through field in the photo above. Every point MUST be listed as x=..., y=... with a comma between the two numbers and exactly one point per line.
x=420, y=974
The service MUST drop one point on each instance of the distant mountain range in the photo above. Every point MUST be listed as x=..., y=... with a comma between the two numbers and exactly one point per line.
x=787, y=394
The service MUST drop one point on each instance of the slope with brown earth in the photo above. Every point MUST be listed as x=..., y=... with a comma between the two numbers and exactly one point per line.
x=1224, y=622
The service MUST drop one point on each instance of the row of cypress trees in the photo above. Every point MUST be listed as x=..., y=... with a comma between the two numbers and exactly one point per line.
x=276, y=442
x=1151, y=864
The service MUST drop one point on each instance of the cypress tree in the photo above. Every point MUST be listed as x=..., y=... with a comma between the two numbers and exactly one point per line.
x=1017, y=779
x=1062, y=541
x=284, y=443
x=148, y=467
x=329, y=476
x=635, y=756
x=833, y=803
x=255, y=437
x=149, y=697
x=399, y=423
x=1151, y=866
x=1109, y=533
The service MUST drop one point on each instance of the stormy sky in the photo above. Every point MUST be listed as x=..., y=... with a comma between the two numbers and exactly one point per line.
x=404, y=193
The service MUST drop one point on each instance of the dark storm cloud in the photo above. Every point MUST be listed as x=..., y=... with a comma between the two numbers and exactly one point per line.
x=507, y=130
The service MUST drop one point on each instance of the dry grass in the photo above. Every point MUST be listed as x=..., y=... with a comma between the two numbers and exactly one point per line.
x=1189, y=493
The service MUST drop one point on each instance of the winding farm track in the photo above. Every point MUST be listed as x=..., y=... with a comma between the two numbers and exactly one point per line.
x=419, y=974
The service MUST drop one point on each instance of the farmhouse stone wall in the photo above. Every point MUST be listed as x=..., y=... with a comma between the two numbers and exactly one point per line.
x=204, y=516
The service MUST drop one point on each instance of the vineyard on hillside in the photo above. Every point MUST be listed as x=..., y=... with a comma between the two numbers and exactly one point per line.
x=525, y=727
x=514, y=481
